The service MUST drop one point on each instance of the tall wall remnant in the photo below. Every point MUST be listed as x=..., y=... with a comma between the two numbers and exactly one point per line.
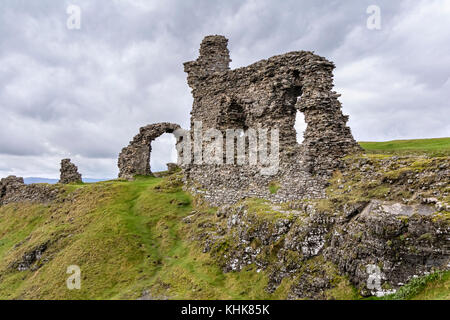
x=69, y=172
x=135, y=158
x=268, y=94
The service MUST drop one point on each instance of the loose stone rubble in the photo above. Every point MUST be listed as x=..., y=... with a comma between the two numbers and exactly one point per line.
x=135, y=159
x=31, y=260
x=379, y=241
x=13, y=189
x=69, y=172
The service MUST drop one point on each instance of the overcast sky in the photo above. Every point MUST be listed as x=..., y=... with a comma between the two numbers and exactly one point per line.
x=84, y=93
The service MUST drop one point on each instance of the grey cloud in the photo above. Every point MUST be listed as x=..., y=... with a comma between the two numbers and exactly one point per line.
x=84, y=93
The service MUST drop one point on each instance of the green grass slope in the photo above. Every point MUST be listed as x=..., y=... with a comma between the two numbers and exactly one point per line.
x=432, y=147
x=129, y=238
x=126, y=237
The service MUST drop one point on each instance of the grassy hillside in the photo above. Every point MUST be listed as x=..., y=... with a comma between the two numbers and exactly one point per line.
x=434, y=286
x=129, y=240
x=433, y=147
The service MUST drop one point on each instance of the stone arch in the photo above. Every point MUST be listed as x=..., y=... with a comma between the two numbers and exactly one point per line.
x=135, y=158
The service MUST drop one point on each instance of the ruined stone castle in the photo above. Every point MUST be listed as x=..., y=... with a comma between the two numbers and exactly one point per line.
x=388, y=214
x=264, y=95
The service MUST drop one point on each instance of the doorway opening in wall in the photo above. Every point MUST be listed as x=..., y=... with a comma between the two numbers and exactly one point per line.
x=300, y=126
x=163, y=151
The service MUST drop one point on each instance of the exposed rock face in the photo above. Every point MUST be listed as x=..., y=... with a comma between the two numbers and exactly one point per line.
x=13, y=189
x=314, y=247
x=135, y=159
x=268, y=95
x=30, y=260
x=69, y=172
x=402, y=240
x=378, y=243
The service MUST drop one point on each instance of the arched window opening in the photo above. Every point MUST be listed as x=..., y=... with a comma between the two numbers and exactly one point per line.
x=163, y=151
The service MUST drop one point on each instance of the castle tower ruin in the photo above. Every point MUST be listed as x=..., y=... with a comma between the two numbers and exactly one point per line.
x=268, y=94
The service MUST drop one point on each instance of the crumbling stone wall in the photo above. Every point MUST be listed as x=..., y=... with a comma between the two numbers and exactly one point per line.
x=264, y=95
x=69, y=172
x=135, y=158
x=268, y=94
x=13, y=189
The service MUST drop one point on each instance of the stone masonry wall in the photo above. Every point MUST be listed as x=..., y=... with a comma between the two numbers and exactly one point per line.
x=69, y=172
x=268, y=94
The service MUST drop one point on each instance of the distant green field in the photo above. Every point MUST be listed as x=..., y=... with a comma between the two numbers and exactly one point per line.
x=433, y=147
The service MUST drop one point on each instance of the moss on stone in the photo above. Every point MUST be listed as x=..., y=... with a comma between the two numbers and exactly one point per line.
x=274, y=186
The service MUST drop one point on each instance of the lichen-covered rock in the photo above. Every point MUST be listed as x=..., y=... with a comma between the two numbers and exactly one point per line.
x=69, y=172
x=402, y=240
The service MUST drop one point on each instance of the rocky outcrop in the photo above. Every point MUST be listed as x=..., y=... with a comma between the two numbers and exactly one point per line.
x=31, y=260
x=307, y=243
x=135, y=158
x=385, y=220
x=402, y=241
x=13, y=189
x=69, y=172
